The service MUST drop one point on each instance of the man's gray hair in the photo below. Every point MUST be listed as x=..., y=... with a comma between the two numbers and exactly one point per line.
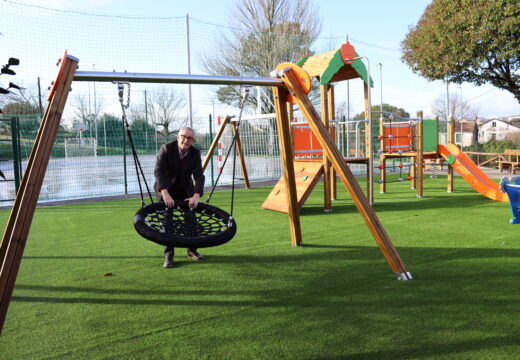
x=189, y=129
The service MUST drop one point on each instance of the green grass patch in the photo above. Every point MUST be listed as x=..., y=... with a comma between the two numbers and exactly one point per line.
x=257, y=297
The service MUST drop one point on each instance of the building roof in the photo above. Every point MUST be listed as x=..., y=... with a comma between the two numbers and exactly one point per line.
x=515, y=124
x=464, y=126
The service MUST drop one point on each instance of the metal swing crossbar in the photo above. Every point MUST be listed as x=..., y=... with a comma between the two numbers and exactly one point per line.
x=181, y=226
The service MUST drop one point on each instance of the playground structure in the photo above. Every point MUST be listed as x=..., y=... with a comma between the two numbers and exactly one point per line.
x=228, y=120
x=310, y=160
x=413, y=139
x=511, y=187
x=418, y=140
x=285, y=81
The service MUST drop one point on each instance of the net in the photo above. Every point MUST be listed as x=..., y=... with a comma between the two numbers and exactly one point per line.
x=133, y=44
x=79, y=146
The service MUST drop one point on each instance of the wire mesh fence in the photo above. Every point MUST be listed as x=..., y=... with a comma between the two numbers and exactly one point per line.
x=83, y=166
x=91, y=155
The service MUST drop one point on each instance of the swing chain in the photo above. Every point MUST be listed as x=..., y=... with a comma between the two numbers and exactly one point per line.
x=121, y=90
x=138, y=168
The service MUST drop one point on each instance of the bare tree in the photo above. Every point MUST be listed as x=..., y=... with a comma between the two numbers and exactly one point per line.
x=265, y=33
x=87, y=112
x=164, y=106
x=22, y=100
x=458, y=108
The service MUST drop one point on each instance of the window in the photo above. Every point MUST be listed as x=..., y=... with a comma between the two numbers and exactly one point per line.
x=458, y=138
x=494, y=124
x=493, y=136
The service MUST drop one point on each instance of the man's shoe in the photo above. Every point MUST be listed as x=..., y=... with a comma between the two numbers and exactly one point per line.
x=195, y=255
x=168, y=261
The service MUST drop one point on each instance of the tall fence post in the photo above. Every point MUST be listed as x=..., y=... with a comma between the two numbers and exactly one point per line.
x=211, y=159
x=17, y=158
x=124, y=156
x=188, y=58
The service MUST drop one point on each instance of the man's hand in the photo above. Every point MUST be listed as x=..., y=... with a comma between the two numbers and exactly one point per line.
x=167, y=198
x=193, y=201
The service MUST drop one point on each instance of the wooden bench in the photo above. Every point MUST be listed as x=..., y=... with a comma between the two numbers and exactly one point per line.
x=511, y=160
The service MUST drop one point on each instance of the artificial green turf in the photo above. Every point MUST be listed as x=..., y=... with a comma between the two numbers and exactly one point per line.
x=257, y=297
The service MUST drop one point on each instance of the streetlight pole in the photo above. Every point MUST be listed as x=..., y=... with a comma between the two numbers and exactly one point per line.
x=95, y=104
x=368, y=146
x=460, y=114
x=447, y=99
x=188, y=53
x=380, y=66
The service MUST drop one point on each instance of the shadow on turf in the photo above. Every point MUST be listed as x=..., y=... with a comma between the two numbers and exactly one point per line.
x=450, y=350
x=460, y=303
x=425, y=203
x=424, y=263
x=93, y=257
x=324, y=286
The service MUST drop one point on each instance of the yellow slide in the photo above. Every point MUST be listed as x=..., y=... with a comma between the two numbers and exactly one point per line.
x=471, y=173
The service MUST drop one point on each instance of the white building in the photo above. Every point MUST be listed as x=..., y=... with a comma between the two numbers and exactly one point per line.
x=496, y=129
x=464, y=133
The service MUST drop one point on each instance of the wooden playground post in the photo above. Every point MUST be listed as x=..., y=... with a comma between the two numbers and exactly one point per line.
x=349, y=181
x=419, y=158
x=326, y=162
x=240, y=155
x=215, y=141
x=286, y=153
x=451, y=140
x=238, y=144
x=382, y=158
x=368, y=144
x=332, y=116
x=413, y=171
x=18, y=226
x=290, y=113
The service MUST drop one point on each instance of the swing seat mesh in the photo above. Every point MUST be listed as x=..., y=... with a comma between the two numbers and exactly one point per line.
x=180, y=226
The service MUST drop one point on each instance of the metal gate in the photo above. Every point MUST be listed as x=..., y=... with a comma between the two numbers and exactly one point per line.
x=10, y=159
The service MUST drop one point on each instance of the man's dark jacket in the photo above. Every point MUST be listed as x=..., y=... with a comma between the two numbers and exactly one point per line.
x=186, y=173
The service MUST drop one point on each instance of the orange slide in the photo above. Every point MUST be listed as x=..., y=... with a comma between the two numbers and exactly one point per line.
x=471, y=173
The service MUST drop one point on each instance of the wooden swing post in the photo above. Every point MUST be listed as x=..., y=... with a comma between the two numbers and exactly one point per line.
x=284, y=135
x=17, y=229
x=238, y=145
x=349, y=181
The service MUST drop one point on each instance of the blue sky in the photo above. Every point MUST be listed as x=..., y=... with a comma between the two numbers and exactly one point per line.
x=375, y=28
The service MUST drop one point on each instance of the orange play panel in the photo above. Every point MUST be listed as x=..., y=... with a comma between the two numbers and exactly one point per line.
x=305, y=143
x=397, y=136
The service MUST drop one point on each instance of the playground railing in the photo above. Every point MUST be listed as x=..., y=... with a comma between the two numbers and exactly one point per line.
x=483, y=158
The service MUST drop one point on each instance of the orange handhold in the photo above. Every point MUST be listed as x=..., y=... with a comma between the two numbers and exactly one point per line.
x=303, y=78
x=61, y=64
x=347, y=52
